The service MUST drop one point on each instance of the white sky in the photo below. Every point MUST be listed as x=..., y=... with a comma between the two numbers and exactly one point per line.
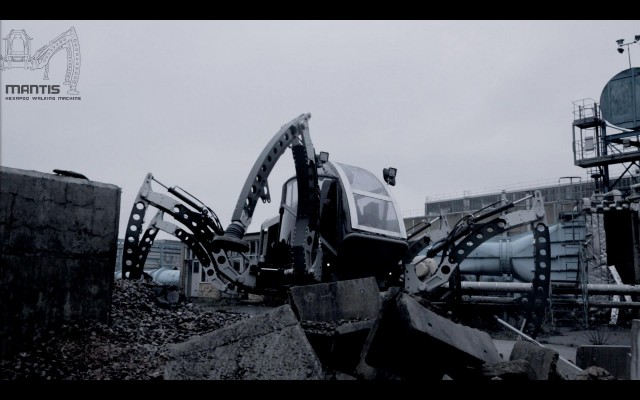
x=454, y=105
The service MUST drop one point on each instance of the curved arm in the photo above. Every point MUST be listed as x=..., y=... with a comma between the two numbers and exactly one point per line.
x=468, y=239
x=203, y=227
x=186, y=237
x=304, y=243
x=159, y=224
x=256, y=186
x=69, y=41
x=203, y=230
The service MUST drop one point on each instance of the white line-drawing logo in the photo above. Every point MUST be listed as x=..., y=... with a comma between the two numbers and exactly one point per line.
x=17, y=45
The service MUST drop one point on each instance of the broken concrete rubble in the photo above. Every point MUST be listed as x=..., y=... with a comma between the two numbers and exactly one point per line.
x=399, y=344
x=566, y=370
x=336, y=318
x=542, y=360
x=594, y=373
x=516, y=370
x=270, y=346
x=350, y=299
x=410, y=341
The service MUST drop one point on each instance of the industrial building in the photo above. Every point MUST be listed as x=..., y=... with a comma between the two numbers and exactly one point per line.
x=601, y=210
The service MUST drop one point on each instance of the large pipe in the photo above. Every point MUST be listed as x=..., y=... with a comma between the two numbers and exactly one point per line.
x=166, y=276
x=515, y=255
x=496, y=287
x=601, y=288
x=557, y=287
x=514, y=301
x=600, y=303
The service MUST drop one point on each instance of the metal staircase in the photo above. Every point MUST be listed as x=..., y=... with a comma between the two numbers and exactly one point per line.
x=572, y=238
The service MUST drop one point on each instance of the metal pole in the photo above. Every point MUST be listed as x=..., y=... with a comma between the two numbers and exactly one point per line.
x=560, y=287
x=532, y=340
x=510, y=301
x=603, y=303
x=635, y=350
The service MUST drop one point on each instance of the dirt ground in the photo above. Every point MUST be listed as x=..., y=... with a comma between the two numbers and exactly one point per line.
x=567, y=340
x=600, y=335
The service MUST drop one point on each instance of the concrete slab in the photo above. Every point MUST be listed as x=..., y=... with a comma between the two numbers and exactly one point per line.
x=416, y=343
x=268, y=346
x=542, y=360
x=350, y=299
x=346, y=309
x=567, y=370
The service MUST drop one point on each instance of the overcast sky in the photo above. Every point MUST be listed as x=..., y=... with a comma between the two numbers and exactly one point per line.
x=453, y=105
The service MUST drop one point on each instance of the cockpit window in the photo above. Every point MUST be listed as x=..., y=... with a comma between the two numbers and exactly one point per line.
x=361, y=179
x=376, y=213
x=291, y=195
x=372, y=208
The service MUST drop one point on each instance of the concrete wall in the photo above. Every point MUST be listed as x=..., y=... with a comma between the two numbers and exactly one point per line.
x=615, y=359
x=58, y=238
x=634, y=369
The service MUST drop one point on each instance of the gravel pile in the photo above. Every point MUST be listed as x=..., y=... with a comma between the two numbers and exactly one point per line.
x=132, y=346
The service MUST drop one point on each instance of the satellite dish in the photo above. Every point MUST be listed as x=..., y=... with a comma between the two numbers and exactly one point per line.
x=620, y=99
